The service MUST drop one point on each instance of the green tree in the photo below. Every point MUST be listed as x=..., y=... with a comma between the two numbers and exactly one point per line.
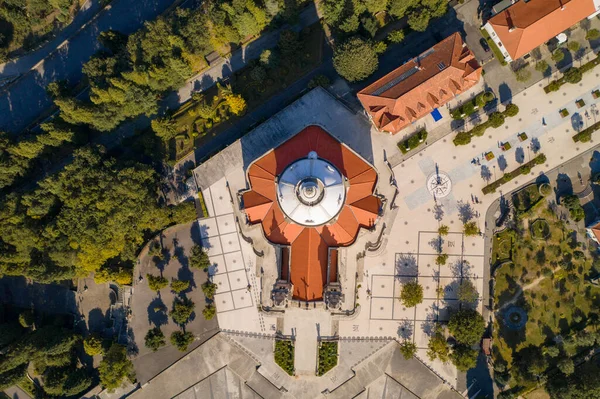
x=419, y=20
x=355, y=59
x=165, y=128
x=443, y=230
x=511, y=110
x=154, y=339
x=408, y=349
x=181, y=340
x=179, y=285
x=258, y=74
x=467, y=292
x=375, y=6
x=523, y=74
x=289, y=44
x=182, y=310
x=573, y=46
x=464, y=358
x=411, y=294
x=269, y=59
x=467, y=326
x=558, y=55
x=26, y=318
x=552, y=351
x=471, y=229
x=441, y=259
x=209, y=311
x=209, y=289
x=156, y=283
x=198, y=258
x=12, y=376
x=496, y=119
x=573, y=75
x=566, y=366
x=370, y=25
x=396, y=36
x=115, y=367
x=592, y=34
x=92, y=345
x=437, y=348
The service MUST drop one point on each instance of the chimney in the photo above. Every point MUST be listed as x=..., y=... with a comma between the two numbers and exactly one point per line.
x=509, y=21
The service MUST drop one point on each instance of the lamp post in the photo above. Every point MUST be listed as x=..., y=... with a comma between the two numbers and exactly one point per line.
x=494, y=172
x=528, y=154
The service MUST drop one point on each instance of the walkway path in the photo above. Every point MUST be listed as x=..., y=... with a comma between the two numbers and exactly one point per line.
x=11, y=69
x=520, y=290
x=24, y=100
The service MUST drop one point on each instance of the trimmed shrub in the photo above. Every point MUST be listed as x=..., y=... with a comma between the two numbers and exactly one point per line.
x=573, y=75
x=413, y=141
x=592, y=34
x=496, y=119
x=462, y=138
x=511, y=110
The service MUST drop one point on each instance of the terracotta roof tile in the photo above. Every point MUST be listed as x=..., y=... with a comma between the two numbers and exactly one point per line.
x=421, y=84
x=537, y=21
x=309, y=245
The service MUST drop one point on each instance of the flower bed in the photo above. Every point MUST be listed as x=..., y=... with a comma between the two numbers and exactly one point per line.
x=328, y=357
x=521, y=170
x=596, y=93
x=563, y=113
x=284, y=355
x=471, y=106
x=506, y=146
x=495, y=120
x=580, y=103
x=522, y=136
x=413, y=141
x=586, y=134
x=489, y=156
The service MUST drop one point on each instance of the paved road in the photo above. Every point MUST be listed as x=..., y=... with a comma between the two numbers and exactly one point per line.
x=24, y=100
x=24, y=63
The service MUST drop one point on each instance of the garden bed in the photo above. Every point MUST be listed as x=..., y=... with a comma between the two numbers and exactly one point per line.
x=328, y=357
x=527, y=197
x=472, y=106
x=586, y=134
x=194, y=133
x=508, y=176
x=413, y=141
x=284, y=355
x=564, y=113
x=555, y=85
x=495, y=120
x=540, y=229
x=522, y=136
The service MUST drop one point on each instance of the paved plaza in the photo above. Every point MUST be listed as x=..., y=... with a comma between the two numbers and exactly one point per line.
x=407, y=230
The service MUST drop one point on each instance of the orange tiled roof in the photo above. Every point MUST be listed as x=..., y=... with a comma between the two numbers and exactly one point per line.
x=420, y=85
x=309, y=245
x=537, y=21
x=596, y=231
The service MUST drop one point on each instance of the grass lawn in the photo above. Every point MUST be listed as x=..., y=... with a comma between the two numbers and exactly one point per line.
x=328, y=357
x=254, y=92
x=559, y=303
x=539, y=393
x=524, y=199
x=284, y=355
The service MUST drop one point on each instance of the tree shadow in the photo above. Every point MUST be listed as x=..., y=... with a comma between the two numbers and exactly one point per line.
x=564, y=186
x=98, y=321
x=186, y=274
x=576, y=121
x=437, y=243
x=157, y=312
x=465, y=211
x=405, y=329
x=406, y=267
x=535, y=145
x=502, y=163
x=520, y=155
x=132, y=348
x=486, y=173
x=438, y=212
x=505, y=93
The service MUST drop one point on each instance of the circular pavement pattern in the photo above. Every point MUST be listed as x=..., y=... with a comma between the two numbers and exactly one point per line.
x=439, y=185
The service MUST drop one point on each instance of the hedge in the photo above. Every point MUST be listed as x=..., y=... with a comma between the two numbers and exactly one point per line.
x=468, y=108
x=588, y=66
x=413, y=141
x=586, y=134
x=495, y=120
x=521, y=170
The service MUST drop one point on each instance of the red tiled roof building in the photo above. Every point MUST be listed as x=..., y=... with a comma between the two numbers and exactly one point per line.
x=420, y=85
x=311, y=194
x=525, y=25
